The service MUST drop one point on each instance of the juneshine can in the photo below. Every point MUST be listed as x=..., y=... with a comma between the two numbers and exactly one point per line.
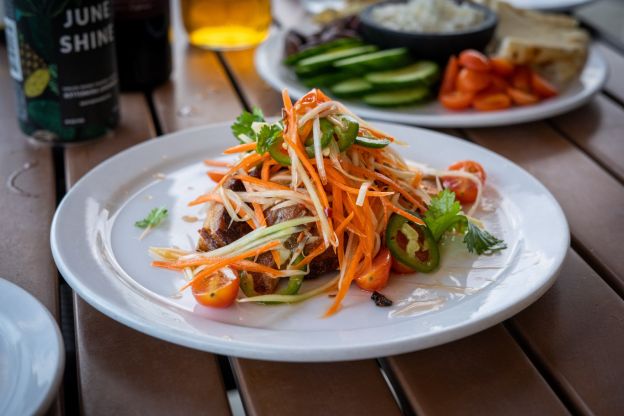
x=62, y=58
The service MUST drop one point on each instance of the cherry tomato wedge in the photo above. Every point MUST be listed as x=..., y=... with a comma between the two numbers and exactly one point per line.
x=502, y=66
x=450, y=75
x=472, y=81
x=456, y=100
x=542, y=87
x=474, y=60
x=397, y=267
x=465, y=190
x=521, y=78
x=377, y=277
x=219, y=290
x=520, y=97
x=491, y=101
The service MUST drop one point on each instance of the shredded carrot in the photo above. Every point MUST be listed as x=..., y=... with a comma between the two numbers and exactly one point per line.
x=244, y=164
x=345, y=283
x=252, y=266
x=217, y=163
x=245, y=147
x=388, y=181
x=318, y=250
x=344, y=223
x=215, y=176
x=403, y=213
x=261, y=182
x=225, y=262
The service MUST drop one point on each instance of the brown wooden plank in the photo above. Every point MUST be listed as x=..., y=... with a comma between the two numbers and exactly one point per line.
x=577, y=330
x=25, y=257
x=615, y=60
x=344, y=388
x=589, y=196
x=484, y=374
x=25, y=216
x=122, y=371
x=199, y=91
x=255, y=91
x=597, y=128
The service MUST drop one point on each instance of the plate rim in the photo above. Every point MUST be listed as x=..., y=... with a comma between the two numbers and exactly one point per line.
x=249, y=350
x=452, y=119
x=41, y=404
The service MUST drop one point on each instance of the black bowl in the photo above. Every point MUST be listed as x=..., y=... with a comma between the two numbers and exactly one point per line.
x=434, y=46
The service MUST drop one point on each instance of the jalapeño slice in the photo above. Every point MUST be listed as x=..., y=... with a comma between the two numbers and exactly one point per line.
x=279, y=153
x=412, y=244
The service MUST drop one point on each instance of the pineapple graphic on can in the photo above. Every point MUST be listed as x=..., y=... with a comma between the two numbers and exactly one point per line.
x=62, y=58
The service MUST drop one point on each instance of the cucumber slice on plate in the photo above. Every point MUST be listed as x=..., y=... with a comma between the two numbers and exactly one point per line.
x=337, y=44
x=325, y=60
x=375, y=61
x=352, y=87
x=397, y=97
x=422, y=72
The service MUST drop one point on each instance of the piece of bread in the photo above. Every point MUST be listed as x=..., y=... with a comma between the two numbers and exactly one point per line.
x=553, y=44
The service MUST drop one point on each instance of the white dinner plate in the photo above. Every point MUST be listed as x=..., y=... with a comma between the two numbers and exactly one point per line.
x=549, y=4
x=268, y=61
x=32, y=356
x=97, y=249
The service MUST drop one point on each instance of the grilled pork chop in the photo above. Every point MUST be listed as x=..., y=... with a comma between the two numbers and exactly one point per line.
x=219, y=230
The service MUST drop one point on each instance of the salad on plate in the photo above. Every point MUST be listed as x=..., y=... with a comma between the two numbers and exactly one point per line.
x=322, y=192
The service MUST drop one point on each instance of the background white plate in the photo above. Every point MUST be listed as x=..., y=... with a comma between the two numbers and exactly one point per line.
x=32, y=356
x=100, y=256
x=268, y=61
x=549, y=4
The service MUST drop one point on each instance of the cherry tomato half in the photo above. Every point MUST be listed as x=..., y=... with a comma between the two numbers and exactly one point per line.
x=502, y=66
x=465, y=190
x=400, y=268
x=491, y=101
x=450, y=76
x=474, y=60
x=520, y=97
x=542, y=87
x=472, y=81
x=219, y=290
x=456, y=100
x=377, y=277
x=521, y=78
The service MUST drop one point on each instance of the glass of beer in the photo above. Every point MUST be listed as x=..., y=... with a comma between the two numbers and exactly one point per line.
x=226, y=24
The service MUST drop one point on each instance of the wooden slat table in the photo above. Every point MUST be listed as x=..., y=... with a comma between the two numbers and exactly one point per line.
x=562, y=355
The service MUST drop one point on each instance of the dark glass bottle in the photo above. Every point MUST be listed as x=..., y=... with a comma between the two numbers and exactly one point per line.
x=143, y=47
x=62, y=58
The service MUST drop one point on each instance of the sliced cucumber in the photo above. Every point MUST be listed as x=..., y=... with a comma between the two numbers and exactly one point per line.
x=397, y=97
x=422, y=72
x=375, y=61
x=352, y=87
x=342, y=43
x=325, y=80
x=317, y=63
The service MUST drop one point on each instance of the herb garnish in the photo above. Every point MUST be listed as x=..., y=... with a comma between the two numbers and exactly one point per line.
x=153, y=219
x=445, y=213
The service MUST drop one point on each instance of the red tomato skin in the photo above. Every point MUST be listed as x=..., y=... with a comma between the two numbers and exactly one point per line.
x=472, y=81
x=220, y=297
x=474, y=60
x=377, y=277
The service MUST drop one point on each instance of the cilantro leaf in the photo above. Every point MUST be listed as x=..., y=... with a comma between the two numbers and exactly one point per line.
x=443, y=213
x=481, y=242
x=155, y=217
x=267, y=136
x=242, y=125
